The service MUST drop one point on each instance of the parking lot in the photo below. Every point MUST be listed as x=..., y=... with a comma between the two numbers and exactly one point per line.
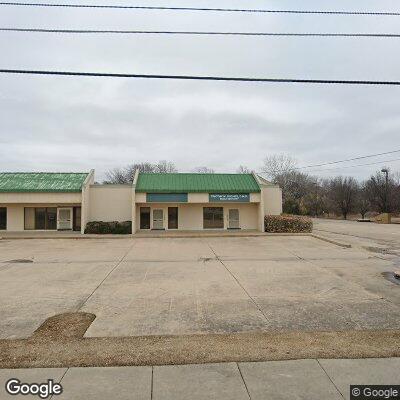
x=150, y=286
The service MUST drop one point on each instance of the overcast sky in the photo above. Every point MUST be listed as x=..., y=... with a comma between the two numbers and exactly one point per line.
x=74, y=124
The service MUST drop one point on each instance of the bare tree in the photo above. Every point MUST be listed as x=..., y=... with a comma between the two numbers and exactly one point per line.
x=126, y=175
x=242, y=169
x=277, y=165
x=116, y=175
x=203, y=170
x=343, y=192
x=165, y=167
x=382, y=193
x=363, y=203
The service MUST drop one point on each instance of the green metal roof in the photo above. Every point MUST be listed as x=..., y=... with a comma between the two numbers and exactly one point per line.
x=41, y=182
x=206, y=183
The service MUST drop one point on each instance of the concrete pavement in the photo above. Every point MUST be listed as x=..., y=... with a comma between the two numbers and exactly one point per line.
x=157, y=286
x=278, y=380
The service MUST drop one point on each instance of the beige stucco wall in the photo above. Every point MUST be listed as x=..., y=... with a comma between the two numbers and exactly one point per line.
x=272, y=199
x=110, y=203
x=15, y=217
x=190, y=216
x=197, y=197
x=37, y=198
x=140, y=197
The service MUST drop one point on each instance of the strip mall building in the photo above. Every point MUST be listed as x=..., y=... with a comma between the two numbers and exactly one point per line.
x=176, y=201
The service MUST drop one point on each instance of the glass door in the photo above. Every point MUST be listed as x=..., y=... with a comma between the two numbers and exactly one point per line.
x=233, y=219
x=158, y=219
x=172, y=217
x=144, y=217
x=51, y=218
x=77, y=218
x=3, y=218
x=64, y=218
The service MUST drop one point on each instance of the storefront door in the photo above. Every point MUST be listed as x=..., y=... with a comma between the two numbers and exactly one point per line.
x=172, y=217
x=144, y=217
x=64, y=218
x=158, y=219
x=233, y=219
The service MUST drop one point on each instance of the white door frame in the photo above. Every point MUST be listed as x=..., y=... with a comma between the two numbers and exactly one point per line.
x=64, y=226
x=162, y=220
x=229, y=219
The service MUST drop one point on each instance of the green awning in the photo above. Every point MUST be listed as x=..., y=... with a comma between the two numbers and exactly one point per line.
x=18, y=182
x=199, y=183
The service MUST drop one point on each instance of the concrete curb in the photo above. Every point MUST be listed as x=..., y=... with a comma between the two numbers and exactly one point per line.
x=324, y=239
x=160, y=236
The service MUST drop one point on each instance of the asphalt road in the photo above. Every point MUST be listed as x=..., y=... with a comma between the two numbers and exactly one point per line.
x=363, y=234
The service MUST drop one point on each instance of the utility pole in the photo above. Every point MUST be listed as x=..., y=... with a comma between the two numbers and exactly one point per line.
x=316, y=198
x=386, y=172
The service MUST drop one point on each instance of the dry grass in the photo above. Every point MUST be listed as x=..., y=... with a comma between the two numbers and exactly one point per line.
x=59, y=342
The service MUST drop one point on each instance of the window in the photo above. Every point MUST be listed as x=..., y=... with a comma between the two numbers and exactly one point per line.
x=3, y=218
x=41, y=218
x=77, y=218
x=213, y=217
x=144, y=217
x=172, y=217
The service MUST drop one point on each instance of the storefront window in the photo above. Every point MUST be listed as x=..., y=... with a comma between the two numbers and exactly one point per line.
x=3, y=218
x=41, y=218
x=213, y=218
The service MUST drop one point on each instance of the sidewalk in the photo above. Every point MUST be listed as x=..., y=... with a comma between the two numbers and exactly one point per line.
x=298, y=379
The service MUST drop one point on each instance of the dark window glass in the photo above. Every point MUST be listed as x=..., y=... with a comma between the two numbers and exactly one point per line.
x=40, y=218
x=77, y=218
x=144, y=217
x=213, y=217
x=3, y=218
x=172, y=217
x=51, y=218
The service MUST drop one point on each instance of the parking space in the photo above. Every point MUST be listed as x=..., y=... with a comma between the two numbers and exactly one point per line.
x=150, y=286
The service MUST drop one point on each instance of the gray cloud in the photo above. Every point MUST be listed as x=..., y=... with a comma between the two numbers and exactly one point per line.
x=60, y=123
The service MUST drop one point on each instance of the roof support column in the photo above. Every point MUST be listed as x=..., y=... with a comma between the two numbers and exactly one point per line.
x=134, y=201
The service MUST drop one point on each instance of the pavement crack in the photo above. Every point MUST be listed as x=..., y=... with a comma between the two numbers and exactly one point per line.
x=62, y=377
x=333, y=383
x=152, y=383
x=244, y=382
x=107, y=275
x=238, y=282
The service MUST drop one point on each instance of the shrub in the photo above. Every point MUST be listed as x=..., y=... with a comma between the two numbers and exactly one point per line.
x=287, y=224
x=114, y=227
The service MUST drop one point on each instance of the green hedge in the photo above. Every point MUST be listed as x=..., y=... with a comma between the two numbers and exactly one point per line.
x=100, y=227
x=287, y=224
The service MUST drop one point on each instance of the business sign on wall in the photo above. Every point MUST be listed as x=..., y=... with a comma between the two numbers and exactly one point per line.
x=229, y=197
x=166, y=197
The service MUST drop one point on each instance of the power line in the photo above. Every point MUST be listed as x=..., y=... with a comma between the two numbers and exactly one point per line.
x=117, y=31
x=346, y=167
x=199, y=78
x=354, y=166
x=243, y=10
x=349, y=159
